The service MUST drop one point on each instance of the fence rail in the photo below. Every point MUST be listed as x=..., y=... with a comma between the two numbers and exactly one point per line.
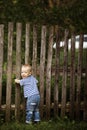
x=62, y=82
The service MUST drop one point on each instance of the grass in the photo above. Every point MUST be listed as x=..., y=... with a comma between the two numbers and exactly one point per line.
x=46, y=125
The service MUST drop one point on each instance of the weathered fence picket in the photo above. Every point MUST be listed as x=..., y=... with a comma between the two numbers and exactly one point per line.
x=65, y=73
x=57, y=73
x=72, y=77
x=85, y=94
x=27, y=44
x=42, y=67
x=18, y=69
x=1, y=58
x=9, y=71
x=34, y=59
x=48, y=73
x=79, y=75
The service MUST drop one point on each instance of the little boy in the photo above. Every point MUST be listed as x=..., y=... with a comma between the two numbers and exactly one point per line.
x=31, y=93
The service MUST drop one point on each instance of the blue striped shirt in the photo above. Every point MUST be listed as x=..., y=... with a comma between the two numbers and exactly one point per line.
x=29, y=86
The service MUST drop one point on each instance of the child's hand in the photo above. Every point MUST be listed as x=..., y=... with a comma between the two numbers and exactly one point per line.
x=17, y=81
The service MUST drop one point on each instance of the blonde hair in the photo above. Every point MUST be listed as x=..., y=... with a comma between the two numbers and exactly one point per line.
x=28, y=67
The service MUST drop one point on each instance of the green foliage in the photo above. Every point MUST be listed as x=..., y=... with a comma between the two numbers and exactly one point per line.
x=58, y=124
x=71, y=14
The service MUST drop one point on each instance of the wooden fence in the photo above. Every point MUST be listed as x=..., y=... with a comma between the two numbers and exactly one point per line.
x=62, y=73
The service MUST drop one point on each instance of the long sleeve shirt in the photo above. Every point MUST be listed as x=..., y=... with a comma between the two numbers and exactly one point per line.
x=29, y=86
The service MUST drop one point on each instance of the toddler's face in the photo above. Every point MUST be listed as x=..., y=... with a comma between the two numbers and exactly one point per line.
x=24, y=72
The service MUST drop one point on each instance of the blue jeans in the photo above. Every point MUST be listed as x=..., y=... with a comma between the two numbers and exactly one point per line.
x=32, y=108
